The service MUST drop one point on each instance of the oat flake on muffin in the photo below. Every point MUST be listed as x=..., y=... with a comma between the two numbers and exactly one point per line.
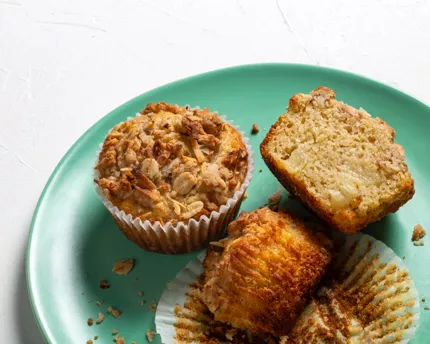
x=171, y=163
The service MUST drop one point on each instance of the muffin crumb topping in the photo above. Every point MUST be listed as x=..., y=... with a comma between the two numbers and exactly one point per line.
x=171, y=163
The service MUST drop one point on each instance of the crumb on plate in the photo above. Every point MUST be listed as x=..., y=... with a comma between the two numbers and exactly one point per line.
x=255, y=129
x=104, y=284
x=418, y=233
x=150, y=335
x=153, y=306
x=123, y=267
x=419, y=242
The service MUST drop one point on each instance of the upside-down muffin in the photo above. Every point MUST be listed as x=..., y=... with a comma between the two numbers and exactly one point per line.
x=171, y=164
x=338, y=160
x=263, y=275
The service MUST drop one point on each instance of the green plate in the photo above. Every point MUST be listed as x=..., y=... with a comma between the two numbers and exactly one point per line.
x=74, y=242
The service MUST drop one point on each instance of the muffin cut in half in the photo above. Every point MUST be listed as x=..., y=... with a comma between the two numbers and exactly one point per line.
x=342, y=163
x=262, y=275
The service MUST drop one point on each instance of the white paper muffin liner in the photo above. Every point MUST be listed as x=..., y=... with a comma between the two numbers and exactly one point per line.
x=372, y=300
x=180, y=237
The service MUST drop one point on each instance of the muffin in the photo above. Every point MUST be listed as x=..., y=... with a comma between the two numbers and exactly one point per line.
x=342, y=163
x=366, y=296
x=173, y=177
x=265, y=272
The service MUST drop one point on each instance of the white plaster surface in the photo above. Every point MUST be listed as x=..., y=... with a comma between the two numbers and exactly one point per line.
x=66, y=63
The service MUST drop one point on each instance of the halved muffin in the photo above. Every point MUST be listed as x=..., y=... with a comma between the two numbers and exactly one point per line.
x=262, y=275
x=342, y=163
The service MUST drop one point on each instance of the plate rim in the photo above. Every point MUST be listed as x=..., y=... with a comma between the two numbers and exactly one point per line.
x=41, y=323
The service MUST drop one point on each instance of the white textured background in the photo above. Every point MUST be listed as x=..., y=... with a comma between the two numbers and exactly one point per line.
x=66, y=63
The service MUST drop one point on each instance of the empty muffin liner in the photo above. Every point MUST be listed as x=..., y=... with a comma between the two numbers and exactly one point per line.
x=367, y=296
x=180, y=237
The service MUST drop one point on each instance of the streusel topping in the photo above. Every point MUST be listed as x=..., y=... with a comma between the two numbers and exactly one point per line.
x=172, y=163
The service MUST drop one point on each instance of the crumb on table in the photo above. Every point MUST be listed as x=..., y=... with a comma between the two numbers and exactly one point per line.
x=141, y=293
x=427, y=308
x=423, y=299
x=90, y=321
x=260, y=170
x=114, y=332
x=100, y=318
x=245, y=195
x=255, y=129
x=96, y=337
x=89, y=341
x=120, y=340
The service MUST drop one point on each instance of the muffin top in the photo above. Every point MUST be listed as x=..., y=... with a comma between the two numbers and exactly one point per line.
x=171, y=163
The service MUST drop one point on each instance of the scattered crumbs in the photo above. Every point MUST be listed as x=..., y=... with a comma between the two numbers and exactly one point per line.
x=133, y=342
x=99, y=303
x=245, y=195
x=150, y=335
x=423, y=299
x=142, y=302
x=153, y=306
x=427, y=308
x=104, y=284
x=141, y=293
x=404, y=257
x=114, y=332
x=89, y=341
x=110, y=309
x=90, y=321
x=255, y=129
x=116, y=313
x=419, y=242
x=260, y=170
x=120, y=340
x=100, y=318
x=275, y=197
x=418, y=233
x=123, y=267
x=96, y=337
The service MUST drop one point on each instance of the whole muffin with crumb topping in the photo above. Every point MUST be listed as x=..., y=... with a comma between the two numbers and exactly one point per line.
x=171, y=164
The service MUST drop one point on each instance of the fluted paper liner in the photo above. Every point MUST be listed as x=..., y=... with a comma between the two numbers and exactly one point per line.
x=366, y=297
x=181, y=237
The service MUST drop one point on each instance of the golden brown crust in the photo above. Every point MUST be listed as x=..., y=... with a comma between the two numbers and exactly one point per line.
x=346, y=219
x=171, y=163
x=263, y=277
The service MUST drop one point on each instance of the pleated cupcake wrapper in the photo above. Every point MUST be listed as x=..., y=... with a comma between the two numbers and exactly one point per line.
x=367, y=297
x=180, y=237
